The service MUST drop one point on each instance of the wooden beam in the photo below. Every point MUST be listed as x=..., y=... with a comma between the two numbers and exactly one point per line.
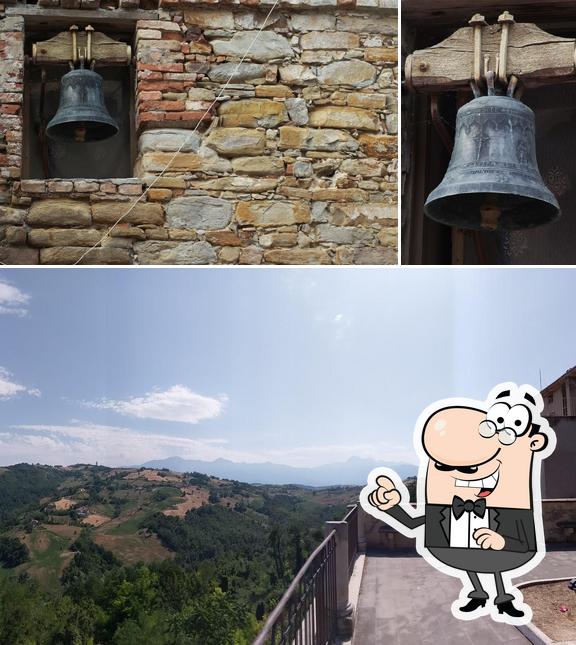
x=58, y=50
x=534, y=56
x=426, y=13
x=113, y=19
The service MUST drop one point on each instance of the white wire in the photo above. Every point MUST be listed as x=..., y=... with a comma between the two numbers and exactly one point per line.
x=188, y=135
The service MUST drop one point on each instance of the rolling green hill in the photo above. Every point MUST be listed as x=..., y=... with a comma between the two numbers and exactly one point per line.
x=93, y=534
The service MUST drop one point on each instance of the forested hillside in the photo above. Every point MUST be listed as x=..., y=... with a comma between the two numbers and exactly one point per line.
x=92, y=555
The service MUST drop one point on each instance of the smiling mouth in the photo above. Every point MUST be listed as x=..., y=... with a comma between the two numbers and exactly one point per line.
x=486, y=485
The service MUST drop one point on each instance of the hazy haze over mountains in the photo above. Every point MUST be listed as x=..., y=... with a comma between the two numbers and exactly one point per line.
x=351, y=472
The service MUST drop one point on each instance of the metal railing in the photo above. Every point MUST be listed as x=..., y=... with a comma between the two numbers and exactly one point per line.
x=352, y=520
x=306, y=615
x=309, y=611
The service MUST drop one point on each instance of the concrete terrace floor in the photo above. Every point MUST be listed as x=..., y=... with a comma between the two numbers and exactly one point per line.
x=405, y=601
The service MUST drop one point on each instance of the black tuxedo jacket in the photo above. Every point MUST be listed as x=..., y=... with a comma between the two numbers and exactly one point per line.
x=515, y=525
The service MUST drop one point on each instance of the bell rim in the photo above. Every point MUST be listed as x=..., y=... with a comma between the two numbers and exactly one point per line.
x=551, y=213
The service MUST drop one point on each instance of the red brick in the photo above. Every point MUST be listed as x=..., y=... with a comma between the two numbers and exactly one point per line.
x=150, y=96
x=168, y=106
x=151, y=116
x=172, y=67
x=163, y=86
x=191, y=116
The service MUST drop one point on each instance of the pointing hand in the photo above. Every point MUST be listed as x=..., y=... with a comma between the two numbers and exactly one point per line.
x=386, y=495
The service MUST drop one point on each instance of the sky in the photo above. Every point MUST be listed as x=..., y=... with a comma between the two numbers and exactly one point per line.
x=295, y=366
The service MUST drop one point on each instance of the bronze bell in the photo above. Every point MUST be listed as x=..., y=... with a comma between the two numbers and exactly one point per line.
x=493, y=181
x=82, y=115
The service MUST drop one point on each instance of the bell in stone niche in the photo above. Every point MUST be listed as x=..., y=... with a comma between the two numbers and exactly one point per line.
x=82, y=115
x=493, y=181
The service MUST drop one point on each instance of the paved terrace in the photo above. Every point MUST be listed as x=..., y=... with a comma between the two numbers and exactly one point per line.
x=405, y=601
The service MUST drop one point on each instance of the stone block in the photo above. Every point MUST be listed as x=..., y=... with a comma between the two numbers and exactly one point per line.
x=201, y=212
x=236, y=73
x=272, y=213
x=155, y=252
x=382, y=146
x=208, y=18
x=375, y=255
x=298, y=111
x=329, y=40
x=64, y=237
x=312, y=21
x=237, y=184
x=71, y=255
x=266, y=46
x=368, y=23
x=11, y=215
x=308, y=139
x=363, y=213
x=354, y=73
x=236, y=142
x=258, y=166
x=59, y=212
x=223, y=238
x=336, y=234
x=273, y=240
x=108, y=212
x=169, y=140
x=364, y=167
x=18, y=255
x=273, y=91
x=297, y=256
x=209, y=162
x=253, y=113
x=386, y=55
x=345, y=117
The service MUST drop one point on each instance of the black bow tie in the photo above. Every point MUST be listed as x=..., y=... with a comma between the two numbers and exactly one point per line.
x=459, y=507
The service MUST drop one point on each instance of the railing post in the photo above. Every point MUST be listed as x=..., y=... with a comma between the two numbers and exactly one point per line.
x=362, y=541
x=345, y=612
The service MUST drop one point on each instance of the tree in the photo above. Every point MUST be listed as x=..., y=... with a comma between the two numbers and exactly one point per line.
x=12, y=552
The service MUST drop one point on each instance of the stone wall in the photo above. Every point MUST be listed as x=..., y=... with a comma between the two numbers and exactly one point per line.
x=557, y=516
x=294, y=164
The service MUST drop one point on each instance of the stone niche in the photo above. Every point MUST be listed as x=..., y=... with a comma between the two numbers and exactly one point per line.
x=289, y=157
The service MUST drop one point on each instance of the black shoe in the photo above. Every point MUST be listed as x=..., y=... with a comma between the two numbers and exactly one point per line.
x=508, y=608
x=473, y=605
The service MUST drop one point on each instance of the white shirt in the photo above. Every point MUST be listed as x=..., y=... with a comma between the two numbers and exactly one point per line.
x=463, y=528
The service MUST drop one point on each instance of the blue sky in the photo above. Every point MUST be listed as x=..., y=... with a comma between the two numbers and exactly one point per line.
x=296, y=366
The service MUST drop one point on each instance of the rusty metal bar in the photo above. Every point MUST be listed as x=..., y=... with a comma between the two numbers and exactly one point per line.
x=306, y=614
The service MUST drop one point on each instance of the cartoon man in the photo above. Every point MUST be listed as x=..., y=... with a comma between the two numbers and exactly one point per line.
x=479, y=479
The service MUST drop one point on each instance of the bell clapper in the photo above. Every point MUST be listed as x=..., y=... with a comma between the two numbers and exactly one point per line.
x=489, y=216
x=80, y=134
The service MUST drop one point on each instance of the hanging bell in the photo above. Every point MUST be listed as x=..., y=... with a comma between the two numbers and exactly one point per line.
x=82, y=115
x=493, y=181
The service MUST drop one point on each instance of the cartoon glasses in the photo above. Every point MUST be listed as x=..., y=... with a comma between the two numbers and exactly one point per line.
x=509, y=422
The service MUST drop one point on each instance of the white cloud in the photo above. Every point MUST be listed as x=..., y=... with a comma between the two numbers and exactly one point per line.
x=13, y=301
x=177, y=403
x=87, y=442
x=9, y=388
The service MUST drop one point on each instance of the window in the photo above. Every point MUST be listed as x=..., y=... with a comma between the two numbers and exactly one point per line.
x=44, y=157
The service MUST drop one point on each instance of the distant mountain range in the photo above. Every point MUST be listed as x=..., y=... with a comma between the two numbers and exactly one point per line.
x=350, y=473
